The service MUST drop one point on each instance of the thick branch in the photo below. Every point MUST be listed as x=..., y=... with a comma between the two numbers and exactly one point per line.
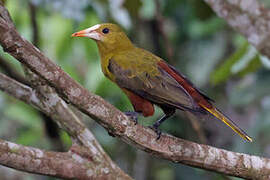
x=67, y=165
x=249, y=18
x=167, y=147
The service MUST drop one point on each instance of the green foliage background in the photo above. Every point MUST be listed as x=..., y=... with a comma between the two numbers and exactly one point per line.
x=217, y=59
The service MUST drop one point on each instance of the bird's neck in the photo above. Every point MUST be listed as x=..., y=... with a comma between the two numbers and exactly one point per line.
x=105, y=49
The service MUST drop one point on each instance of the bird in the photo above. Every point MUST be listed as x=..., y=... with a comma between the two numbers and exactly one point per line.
x=148, y=80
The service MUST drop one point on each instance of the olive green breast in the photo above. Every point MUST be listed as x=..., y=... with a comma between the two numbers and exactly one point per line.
x=137, y=61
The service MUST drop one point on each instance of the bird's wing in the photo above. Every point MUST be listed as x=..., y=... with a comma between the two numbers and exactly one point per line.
x=153, y=84
x=167, y=87
x=202, y=100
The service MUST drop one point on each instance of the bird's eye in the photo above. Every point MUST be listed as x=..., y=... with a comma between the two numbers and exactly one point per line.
x=105, y=30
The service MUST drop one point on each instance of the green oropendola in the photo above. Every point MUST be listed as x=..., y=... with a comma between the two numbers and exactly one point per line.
x=147, y=79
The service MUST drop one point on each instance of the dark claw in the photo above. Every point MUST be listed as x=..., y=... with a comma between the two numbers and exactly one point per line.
x=133, y=116
x=158, y=132
x=168, y=113
x=111, y=134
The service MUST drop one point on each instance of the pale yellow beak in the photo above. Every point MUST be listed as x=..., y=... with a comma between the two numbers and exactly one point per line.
x=89, y=32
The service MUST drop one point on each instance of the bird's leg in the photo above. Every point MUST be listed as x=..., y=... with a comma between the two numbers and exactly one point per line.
x=133, y=115
x=158, y=123
x=168, y=113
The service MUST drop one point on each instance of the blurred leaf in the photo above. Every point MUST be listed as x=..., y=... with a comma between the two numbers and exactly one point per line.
x=198, y=29
x=242, y=62
x=252, y=66
x=65, y=138
x=24, y=114
x=61, y=36
x=223, y=72
x=201, y=9
x=31, y=136
x=19, y=14
x=148, y=9
x=265, y=61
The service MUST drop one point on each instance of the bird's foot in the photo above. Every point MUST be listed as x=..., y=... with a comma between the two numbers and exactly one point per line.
x=133, y=116
x=158, y=131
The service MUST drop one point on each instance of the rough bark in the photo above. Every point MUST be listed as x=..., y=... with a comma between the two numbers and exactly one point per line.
x=68, y=165
x=248, y=17
x=41, y=162
x=167, y=147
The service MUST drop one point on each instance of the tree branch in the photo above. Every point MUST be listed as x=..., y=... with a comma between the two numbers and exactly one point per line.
x=167, y=147
x=9, y=70
x=68, y=165
x=56, y=108
x=249, y=18
x=35, y=33
x=50, y=126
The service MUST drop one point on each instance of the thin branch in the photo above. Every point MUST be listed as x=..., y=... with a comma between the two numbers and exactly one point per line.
x=160, y=24
x=250, y=18
x=53, y=133
x=167, y=147
x=51, y=126
x=9, y=70
x=18, y=90
x=4, y=14
x=33, y=14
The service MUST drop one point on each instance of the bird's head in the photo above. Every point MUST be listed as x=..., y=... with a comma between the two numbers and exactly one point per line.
x=109, y=37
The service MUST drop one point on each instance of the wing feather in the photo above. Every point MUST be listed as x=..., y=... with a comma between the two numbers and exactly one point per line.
x=159, y=88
